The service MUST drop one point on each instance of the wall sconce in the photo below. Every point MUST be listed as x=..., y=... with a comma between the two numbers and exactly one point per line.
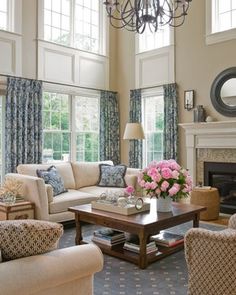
x=188, y=99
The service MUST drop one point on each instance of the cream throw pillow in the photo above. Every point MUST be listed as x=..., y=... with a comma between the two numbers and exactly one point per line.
x=20, y=238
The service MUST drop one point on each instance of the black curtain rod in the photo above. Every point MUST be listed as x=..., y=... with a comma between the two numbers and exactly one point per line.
x=58, y=83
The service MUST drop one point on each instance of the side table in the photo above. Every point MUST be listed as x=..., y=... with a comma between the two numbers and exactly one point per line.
x=20, y=210
x=208, y=198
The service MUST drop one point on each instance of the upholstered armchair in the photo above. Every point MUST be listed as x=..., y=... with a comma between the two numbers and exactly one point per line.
x=211, y=260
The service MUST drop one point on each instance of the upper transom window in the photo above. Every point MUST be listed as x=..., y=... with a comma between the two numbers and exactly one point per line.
x=150, y=40
x=75, y=23
x=223, y=15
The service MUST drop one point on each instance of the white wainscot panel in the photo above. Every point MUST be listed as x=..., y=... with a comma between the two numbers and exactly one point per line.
x=10, y=53
x=58, y=66
x=57, y=63
x=92, y=71
x=155, y=67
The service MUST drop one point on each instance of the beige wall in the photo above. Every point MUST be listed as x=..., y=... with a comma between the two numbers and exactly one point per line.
x=29, y=35
x=197, y=65
x=122, y=78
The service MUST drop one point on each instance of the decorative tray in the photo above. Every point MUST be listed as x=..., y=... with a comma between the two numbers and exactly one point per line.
x=130, y=209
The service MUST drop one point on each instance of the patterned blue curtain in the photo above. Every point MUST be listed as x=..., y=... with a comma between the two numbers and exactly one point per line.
x=109, y=127
x=23, y=123
x=170, y=122
x=135, y=116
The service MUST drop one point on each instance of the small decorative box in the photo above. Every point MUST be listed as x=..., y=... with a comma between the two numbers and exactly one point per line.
x=21, y=210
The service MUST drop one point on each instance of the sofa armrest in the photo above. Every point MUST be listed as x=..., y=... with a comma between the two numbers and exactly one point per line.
x=232, y=222
x=210, y=257
x=34, y=190
x=35, y=274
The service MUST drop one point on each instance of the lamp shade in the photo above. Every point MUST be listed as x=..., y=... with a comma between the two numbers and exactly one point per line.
x=133, y=131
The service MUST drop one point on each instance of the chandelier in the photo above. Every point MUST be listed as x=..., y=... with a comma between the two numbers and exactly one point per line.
x=136, y=15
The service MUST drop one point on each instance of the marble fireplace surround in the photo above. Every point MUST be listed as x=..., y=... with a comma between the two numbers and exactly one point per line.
x=212, y=142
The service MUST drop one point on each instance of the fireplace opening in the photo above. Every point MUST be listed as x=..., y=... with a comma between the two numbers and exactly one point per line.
x=223, y=177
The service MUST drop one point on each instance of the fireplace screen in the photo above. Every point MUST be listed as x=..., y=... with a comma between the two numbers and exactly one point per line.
x=223, y=177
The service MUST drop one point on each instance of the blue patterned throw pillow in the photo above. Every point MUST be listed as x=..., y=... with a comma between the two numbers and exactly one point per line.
x=51, y=176
x=112, y=176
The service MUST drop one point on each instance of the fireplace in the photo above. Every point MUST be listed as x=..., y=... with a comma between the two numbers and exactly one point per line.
x=222, y=176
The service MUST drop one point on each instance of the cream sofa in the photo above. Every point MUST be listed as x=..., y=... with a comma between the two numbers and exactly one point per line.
x=80, y=178
x=66, y=271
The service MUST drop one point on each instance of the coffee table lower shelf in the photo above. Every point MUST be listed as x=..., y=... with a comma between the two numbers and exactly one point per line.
x=118, y=252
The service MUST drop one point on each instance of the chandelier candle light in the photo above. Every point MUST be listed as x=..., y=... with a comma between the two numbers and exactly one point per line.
x=136, y=15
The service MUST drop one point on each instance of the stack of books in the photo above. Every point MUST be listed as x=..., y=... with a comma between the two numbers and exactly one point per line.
x=108, y=237
x=133, y=245
x=167, y=239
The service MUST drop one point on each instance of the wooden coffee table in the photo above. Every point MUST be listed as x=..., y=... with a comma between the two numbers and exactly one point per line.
x=142, y=224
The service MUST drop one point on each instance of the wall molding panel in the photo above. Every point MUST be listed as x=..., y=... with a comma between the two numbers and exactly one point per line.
x=155, y=67
x=11, y=53
x=70, y=66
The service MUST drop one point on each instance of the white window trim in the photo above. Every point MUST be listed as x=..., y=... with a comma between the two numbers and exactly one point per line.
x=217, y=37
x=72, y=92
x=103, y=32
x=14, y=17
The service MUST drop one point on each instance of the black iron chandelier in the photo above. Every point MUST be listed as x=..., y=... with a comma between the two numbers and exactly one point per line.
x=136, y=15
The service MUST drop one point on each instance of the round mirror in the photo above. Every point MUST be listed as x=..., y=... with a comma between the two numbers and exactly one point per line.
x=223, y=92
x=228, y=92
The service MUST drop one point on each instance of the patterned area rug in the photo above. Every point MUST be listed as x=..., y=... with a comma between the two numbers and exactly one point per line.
x=164, y=277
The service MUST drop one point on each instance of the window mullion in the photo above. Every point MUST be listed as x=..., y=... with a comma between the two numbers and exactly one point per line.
x=72, y=23
x=73, y=128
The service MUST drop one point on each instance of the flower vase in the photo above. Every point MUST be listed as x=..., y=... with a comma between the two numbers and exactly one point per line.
x=164, y=204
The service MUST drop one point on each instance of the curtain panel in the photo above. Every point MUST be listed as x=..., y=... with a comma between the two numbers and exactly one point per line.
x=170, y=136
x=23, y=123
x=135, y=116
x=109, y=127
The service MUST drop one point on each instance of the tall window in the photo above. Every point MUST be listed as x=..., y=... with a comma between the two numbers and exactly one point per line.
x=87, y=128
x=153, y=122
x=224, y=15
x=87, y=25
x=56, y=126
x=57, y=18
x=4, y=12
x=70, y=127
x=149, y=40
x=75, y=23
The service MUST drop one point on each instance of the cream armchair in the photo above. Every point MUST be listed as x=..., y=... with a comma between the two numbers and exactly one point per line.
x=211, y=260
x=66, y=271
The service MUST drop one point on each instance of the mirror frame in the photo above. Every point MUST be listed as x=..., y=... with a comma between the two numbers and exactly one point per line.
x=216, y=99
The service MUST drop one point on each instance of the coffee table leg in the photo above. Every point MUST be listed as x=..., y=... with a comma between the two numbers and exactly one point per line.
x=143, y=248
x=78, y=237
x=196, y=220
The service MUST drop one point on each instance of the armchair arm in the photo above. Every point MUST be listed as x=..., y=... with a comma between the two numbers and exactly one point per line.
x=34, y=190
x=232, y=222
x=210, y=257
x=40, y=273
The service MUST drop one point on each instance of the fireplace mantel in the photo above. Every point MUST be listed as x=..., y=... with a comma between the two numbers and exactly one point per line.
x=214, y=135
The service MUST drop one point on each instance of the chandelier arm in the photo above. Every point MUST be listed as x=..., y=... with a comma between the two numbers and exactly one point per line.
x=135, y=15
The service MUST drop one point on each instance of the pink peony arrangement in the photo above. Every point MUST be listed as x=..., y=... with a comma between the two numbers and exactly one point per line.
x=165, y=178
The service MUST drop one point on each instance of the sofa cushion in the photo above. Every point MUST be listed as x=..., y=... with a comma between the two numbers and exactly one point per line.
x=87, y=173
x=21, y=238
x=112, y=176
x=72, y=198
x=52, y=176
x=131, y=180
x=64, y=169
